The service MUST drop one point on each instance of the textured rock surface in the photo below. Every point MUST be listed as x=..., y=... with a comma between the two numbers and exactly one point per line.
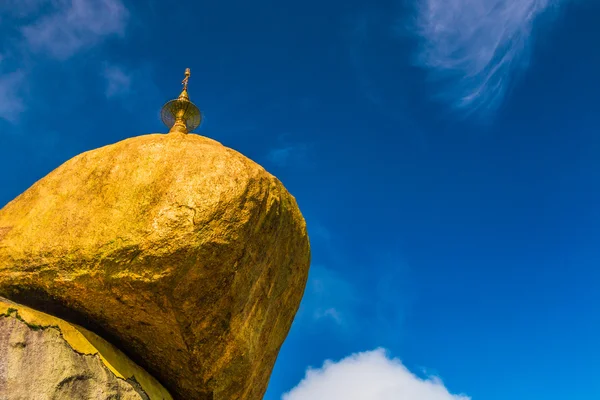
x=45, y=358
x=183, y=253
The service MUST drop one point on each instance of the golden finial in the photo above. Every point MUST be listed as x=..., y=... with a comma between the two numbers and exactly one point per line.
x=181, y=115
x=185, y=81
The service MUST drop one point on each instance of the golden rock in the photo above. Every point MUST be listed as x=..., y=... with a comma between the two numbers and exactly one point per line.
x=183, y=253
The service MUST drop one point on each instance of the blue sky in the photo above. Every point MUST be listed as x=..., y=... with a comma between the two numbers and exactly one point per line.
x=445, y=154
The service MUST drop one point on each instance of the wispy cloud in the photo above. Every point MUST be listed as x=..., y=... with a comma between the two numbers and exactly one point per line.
x=59, y=29
x=74, y=25
x=21, y=8
x=477, y=47
x=362, y=301
x=288, y=153
x=332, y=313
x=118, y=81
x=11, y=102
x=329, y=297
x=373, y=311
x=282, y=156
x=368, y=376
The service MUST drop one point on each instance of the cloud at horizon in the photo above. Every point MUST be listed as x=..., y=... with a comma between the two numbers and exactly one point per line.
x=477, y=48
x=371, y=375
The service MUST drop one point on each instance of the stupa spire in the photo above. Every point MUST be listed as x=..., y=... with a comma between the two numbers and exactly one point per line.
x=181, y=115
x=185, y=80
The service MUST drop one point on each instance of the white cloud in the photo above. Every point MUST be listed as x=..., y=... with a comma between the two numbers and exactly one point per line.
x=11, y=103
x=118, y=82
x=368, y=376
x=74, y=25
x=478, y=45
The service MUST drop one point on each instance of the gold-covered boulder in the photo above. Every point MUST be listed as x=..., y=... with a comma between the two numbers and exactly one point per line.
x=183, y=253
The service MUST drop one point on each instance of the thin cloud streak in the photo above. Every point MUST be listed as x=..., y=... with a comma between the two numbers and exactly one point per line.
x=477, y=47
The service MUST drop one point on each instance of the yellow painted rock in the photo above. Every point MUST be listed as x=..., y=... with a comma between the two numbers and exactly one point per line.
x=185, y=254
x=44, y=357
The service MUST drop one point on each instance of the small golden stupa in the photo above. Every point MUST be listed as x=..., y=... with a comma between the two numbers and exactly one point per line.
x=181, y=115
